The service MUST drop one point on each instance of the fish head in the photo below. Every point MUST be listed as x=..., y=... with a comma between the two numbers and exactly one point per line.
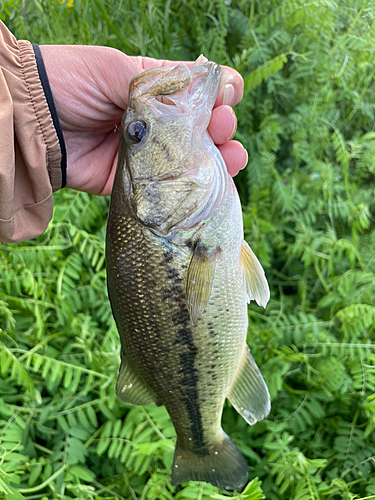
x=165, y=145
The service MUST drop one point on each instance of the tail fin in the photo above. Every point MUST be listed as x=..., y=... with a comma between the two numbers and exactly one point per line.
x=222, y=466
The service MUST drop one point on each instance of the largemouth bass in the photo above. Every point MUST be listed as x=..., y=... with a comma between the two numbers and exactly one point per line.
x=180, y=274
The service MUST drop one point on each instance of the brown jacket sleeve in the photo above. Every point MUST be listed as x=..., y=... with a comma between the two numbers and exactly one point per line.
x=30, y=153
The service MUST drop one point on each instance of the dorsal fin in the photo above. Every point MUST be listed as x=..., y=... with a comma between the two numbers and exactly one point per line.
x=255, y=280
x=248, y=393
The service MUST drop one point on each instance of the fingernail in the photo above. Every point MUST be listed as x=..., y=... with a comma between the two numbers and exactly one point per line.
x=228, y=94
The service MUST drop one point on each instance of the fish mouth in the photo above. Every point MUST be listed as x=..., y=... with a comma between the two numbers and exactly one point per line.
x=205, y=83
x=176, y=87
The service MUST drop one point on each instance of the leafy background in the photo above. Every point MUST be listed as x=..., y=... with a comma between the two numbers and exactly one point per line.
x=308, y=201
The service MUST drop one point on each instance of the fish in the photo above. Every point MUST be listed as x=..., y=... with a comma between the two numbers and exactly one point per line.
x=180, y=274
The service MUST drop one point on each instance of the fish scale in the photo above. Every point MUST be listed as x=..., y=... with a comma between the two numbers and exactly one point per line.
x=180, y=275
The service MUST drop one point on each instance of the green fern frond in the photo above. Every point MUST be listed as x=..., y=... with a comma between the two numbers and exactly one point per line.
x=356, y=319
x=263, y=72
x=9, y=363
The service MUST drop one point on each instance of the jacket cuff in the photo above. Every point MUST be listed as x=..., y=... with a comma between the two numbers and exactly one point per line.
x=53, y=151
x=30, y=158
x=58, y=179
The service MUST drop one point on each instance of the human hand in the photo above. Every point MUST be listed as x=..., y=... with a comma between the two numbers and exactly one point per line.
x=90, y=89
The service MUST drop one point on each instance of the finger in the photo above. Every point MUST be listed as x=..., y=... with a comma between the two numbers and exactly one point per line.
x=223, y=124
x=230, y=87
x=235, y=156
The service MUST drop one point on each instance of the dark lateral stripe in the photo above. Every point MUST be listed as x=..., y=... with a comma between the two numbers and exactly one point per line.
x=190, y=376
x=187, y=357
x=190, y=388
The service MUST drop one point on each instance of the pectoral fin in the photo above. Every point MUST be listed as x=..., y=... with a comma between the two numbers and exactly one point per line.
x=248, y=393
x=255, y=280
x=199, y=281
x=130, y=388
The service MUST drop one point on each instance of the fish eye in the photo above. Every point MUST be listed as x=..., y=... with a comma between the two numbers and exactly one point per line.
x=136, y=130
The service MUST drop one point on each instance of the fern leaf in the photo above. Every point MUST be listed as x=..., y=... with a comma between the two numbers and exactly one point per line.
x=9, y=362
x=263, y=72
x=356, y=318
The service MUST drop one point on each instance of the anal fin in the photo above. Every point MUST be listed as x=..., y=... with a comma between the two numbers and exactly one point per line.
x=130, y=388
x=255, y=280
x=248, y=393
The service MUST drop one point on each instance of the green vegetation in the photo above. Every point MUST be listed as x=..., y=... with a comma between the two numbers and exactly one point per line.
x=308, y=198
